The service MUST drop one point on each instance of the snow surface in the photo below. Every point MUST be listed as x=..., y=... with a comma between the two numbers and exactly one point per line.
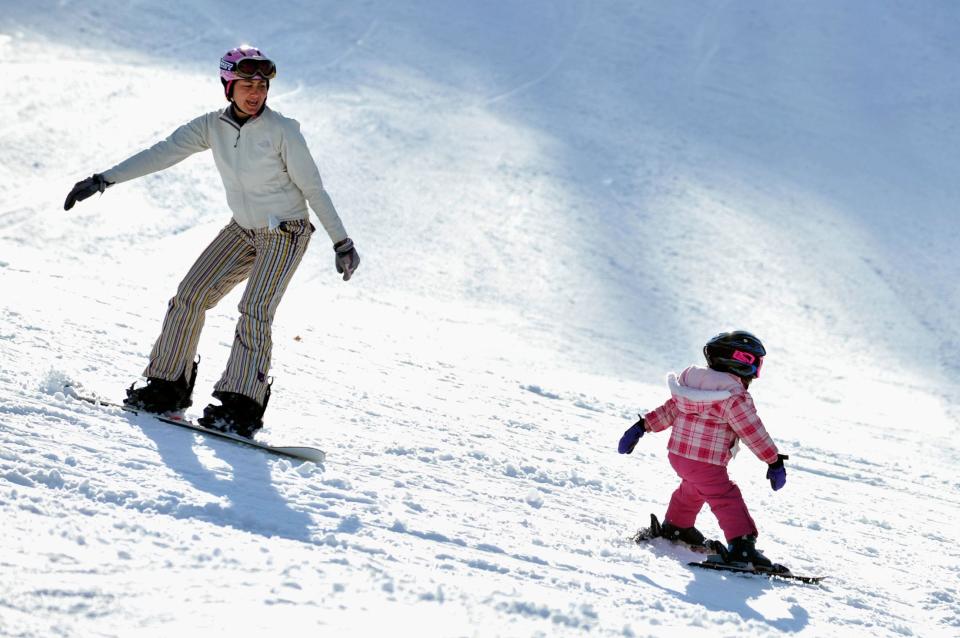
x=556, y=204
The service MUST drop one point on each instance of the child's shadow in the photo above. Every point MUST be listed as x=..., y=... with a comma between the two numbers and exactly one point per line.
x=253, y=503
x=729, y=592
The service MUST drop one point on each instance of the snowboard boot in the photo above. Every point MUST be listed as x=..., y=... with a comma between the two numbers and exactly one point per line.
x=161, y=395
x=237, y=414
x=688, y=535
x=743, y=549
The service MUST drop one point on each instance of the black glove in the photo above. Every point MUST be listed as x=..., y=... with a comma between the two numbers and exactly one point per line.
x=777, y=473
x=84, y=189
x=347, y=258
x=629, y=439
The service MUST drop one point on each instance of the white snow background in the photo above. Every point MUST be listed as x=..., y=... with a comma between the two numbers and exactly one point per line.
x=556, y=203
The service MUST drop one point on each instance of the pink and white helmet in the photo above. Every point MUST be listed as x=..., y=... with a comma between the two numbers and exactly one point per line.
x=245, y=63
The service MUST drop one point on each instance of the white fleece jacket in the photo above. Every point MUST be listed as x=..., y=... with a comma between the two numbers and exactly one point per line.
x=265, y=165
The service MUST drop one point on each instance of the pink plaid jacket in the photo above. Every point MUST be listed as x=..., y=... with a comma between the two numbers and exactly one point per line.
x=709, y=412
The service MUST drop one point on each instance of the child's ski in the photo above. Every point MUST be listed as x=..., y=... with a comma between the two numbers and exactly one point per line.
x=716, y=562
x=718, y=552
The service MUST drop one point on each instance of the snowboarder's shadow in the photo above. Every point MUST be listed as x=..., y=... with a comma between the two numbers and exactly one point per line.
x=729, y=592
x=253, y=502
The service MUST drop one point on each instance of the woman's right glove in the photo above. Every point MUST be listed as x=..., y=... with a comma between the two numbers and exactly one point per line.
x=347, y=258
x=777, y=473
x=629, y=439
x=84, y=189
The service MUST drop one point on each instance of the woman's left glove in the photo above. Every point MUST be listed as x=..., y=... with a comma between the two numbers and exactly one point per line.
x=84, y=189
x=777, y=473
x=629, y=439
x=347, y=258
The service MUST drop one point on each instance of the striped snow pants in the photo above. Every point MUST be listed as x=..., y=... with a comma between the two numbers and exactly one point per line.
x=267, y=258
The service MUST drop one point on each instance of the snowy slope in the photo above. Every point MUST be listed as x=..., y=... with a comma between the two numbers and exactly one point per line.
x=556, y=203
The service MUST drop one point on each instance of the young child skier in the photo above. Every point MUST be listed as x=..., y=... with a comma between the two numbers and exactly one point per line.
x=710, y=410
x=269, y=176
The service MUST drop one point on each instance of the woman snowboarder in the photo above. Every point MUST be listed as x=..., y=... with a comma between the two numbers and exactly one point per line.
x=269, y=176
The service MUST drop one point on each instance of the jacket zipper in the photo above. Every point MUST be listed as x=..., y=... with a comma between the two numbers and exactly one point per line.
x=234, y=125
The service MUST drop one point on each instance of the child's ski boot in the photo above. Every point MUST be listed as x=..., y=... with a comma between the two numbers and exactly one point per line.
x=689, y=536
x=742, y=551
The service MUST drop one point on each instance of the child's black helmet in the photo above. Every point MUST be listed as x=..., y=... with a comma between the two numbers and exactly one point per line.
x=737, y=352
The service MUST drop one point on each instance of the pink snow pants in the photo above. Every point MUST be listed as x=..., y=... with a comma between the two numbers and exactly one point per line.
x=710, y=484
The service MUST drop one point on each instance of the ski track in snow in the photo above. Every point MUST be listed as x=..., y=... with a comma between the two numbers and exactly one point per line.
x=568, y=35
x=530, y=271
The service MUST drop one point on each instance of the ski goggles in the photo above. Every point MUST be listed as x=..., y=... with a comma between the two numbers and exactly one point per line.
x=249, y=68
x=749, y=359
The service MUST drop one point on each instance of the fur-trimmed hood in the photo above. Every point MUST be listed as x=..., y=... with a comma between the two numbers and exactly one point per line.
x=701, y=389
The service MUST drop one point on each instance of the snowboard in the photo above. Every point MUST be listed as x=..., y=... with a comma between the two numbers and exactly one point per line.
x=295, y=452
